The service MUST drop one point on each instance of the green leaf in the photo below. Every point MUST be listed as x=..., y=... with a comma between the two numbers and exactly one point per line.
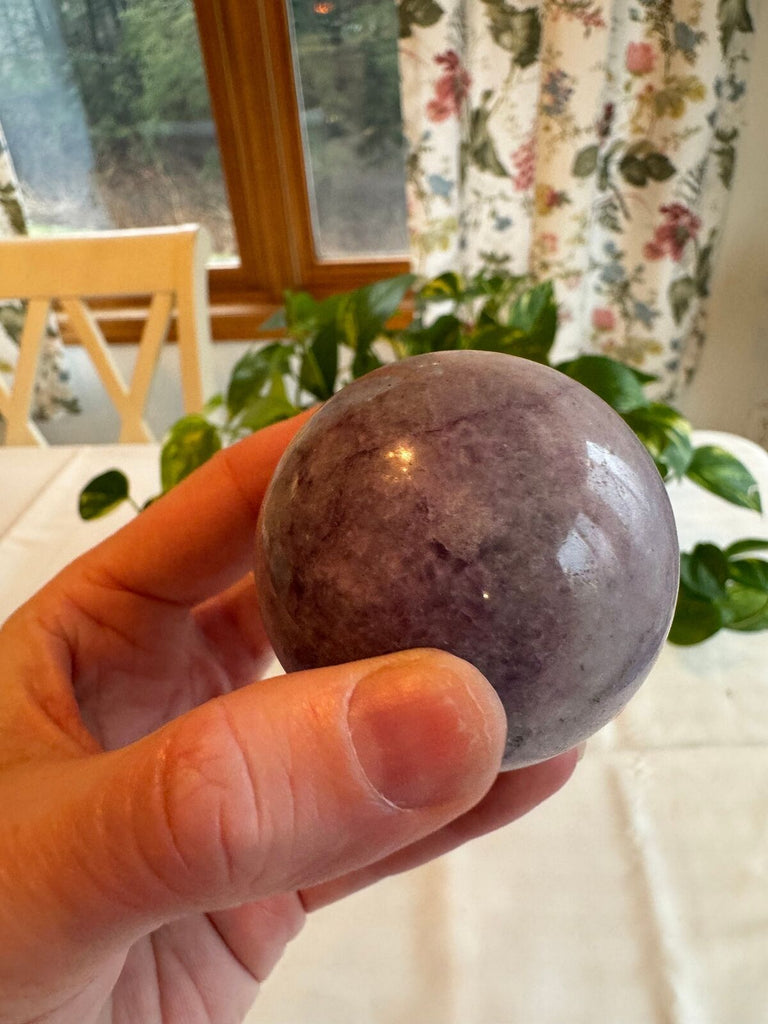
x=276, y=387
x=276, y=322
x=265, y=410
x=633, y=170
x=725, y=154
x=311, y=377
x=705, y=571
x=357, y=319
x=740, y=547
x=443, y=334
x=343, y=320
x=703, y=270
x=642, y=163
x=494, y=337
x=666, y=434
x=721, y=473
x=479, y=148
x=252, y=371
x=516, y=31
x=422, y=13
x=13, y=315
x=447, y=286
x=214, y=402
x=9, y=200
x=585, y=162
x=364, y=362
x=750, y=572
x=604, y=165
x=191, y=441
x=382, y=298
x=534, y=317
x=680, y=294
x=658, y=167
x=526, y=329
x=732, y=16
x=619, y=385
x=320, y=364
x=488, y=314
x=102, y=494
x=744, y=608
x=498, y=291
x=301, y=312
x=248, y=376
x=695, y=619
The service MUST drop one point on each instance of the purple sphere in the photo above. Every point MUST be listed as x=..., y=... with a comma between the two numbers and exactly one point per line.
x=485, y=505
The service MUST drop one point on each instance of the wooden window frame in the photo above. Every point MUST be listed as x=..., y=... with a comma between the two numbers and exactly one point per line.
x=246, y=49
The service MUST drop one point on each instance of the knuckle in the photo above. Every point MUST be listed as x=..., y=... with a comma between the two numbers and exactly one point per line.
x=223, y=807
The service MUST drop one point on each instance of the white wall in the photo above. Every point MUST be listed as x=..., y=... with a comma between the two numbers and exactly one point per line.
x=730, y=390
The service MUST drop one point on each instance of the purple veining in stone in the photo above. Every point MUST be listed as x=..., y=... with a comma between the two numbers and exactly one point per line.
x=485, y=505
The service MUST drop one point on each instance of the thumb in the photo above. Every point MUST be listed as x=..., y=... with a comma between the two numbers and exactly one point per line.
x=274, y=787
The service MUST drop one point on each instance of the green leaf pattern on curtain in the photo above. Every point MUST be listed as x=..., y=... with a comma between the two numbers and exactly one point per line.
x=590, y=141
x=53, y=394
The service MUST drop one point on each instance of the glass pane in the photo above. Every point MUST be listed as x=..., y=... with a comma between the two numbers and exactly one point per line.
x=346, y=60
x=106, y=112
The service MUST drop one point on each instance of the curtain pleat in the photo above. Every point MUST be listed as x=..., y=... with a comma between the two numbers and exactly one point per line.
x=590, y=143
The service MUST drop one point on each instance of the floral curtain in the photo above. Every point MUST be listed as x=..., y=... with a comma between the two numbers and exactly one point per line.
x=53, y=394
x=589, y=141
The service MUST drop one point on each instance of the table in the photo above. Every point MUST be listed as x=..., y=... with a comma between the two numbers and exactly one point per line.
x=636, y=895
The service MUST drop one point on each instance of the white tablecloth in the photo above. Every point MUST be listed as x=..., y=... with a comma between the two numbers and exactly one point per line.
x=637, y=895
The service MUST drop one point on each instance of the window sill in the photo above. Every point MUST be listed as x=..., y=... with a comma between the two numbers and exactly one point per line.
x=235, y=318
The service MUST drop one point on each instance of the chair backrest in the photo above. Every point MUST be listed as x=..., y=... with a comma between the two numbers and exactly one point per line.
x=167, y=264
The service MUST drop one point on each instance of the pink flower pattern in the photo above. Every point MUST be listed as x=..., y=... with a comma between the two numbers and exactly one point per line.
x=451, y=88
x=524, y=163
x=670, y=238
x=604, y=198
x=603, y=318
x=640, y=58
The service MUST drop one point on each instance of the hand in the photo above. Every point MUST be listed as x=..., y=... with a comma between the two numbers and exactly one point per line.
x=166, y=821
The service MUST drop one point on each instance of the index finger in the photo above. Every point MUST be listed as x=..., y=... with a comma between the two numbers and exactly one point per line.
x=197, y=539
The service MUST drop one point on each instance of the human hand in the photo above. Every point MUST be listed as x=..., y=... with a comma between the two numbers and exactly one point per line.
x=166, y=821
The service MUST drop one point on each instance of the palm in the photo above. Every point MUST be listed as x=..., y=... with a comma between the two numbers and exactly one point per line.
x=160, y=619
x=185, y=972
x=166, y=660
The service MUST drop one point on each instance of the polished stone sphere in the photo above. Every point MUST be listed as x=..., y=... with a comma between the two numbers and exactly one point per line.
x=485, y=505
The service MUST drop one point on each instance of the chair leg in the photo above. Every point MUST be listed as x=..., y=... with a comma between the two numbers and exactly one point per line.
x=17, y=403
x=195, y=353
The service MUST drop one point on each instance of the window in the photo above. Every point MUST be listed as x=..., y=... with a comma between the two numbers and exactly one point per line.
x=275, y=123
x=346, y=66
x=105, y=107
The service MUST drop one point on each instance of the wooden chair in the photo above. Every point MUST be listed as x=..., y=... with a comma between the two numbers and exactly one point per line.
x=167, y=264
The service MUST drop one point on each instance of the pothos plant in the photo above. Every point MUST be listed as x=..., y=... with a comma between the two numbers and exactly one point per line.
x=326, y=343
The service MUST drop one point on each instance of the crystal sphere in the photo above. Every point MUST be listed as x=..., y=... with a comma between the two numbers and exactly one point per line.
x=485, y=505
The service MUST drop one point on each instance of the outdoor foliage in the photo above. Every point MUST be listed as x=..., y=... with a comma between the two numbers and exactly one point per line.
x=358, y=89
x=111, y=96
x=105, y=107
x=130, y=62
x=331, y=341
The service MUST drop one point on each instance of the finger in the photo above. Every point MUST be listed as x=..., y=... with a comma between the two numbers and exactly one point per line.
x=198, y=538
x=231, y=623
x=256, y=934
x=276, y=787
x=514, y=794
